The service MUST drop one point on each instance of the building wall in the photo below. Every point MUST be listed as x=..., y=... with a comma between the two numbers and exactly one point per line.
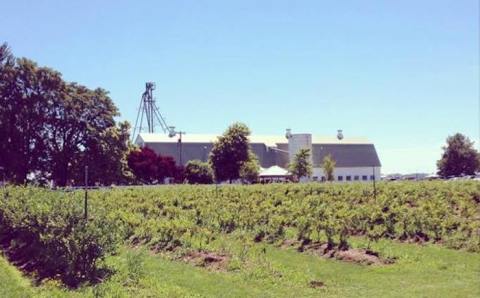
x=189, y=151
x=351, y=159
x=296, y=142
x=201, y=151
x=266, y=157
x=282, y=158
x=349, y=171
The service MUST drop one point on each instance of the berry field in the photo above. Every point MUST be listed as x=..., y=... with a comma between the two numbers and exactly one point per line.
x=403, y=239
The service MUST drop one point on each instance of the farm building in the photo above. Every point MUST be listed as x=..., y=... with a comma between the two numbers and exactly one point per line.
x=356, y=158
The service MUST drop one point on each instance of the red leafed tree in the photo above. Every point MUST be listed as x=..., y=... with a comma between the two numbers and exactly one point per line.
x=179, y=176
x=143, y=163
x=165, y=167
x=148, y=167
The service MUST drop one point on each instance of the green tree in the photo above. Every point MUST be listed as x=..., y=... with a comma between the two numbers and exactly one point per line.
x=328, y=165
x=198, y=172
x=106, y=156
x=7, y=124
x=229, y=152
x=459, y=157
x=80, y=118
x=52, y=129
x=250, y=169
x=6, y=56
x=301, y=165
x=27, y=94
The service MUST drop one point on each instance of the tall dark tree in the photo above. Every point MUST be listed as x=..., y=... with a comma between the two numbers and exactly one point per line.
x=79, y=116
x=48, y=126
x=106, y=156
x=229, y=152
x=28, y=93
x=459, y=157
x=7, y=62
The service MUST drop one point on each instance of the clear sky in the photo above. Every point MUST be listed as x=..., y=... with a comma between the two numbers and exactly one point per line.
x=405, y=74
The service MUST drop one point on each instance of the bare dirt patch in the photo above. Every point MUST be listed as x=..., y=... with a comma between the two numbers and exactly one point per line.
x=210, y=260
x=353, y=255
x=316, y=284
x=289, y=243
x=419, y=238
x=361, y=256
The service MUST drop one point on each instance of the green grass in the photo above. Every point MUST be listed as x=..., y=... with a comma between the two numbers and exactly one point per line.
x=12, y=284
x=429, y=271
x=419, y=271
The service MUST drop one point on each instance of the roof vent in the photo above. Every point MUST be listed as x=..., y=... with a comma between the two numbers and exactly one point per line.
x=288, y=133
x=339, y=134
x=171, y=131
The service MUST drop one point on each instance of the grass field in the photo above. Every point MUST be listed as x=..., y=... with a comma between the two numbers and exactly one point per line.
x=419, y=271
x=253, y=235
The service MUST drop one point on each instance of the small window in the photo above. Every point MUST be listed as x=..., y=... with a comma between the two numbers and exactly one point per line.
x=349, y=178
x=356, y=177
x=364, y=177
x=315, y=178
x=372, y=177
x=340, y=178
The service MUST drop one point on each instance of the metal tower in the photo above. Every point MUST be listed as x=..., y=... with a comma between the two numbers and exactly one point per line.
x=149, y=110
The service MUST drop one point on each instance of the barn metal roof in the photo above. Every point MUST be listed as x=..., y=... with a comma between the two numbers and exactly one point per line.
x=268, y=140
x=346, y=155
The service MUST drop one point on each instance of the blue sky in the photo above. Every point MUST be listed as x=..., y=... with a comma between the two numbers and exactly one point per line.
x=405, y=74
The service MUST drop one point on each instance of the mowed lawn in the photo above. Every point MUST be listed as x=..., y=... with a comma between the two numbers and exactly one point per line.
x=269, y=271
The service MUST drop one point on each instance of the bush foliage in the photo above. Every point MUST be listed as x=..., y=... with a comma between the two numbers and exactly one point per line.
x=45, y=232
x=459, y=157
x=198, y=172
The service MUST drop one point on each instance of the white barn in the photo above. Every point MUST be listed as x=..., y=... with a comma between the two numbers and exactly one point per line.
x=356, y=158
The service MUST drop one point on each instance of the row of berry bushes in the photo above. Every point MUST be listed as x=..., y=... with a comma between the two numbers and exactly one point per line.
x=44, y=232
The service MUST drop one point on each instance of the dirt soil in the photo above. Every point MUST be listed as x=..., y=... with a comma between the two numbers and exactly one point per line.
x=316, y=284
x=206, y=259
x=353, y=255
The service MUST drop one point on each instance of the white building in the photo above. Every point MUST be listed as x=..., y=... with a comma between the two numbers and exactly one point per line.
x=356, y=158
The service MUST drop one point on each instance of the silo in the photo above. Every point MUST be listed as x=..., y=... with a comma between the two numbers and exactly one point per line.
x=299, y=141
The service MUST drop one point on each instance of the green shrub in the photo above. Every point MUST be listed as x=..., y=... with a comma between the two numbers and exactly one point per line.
x=45, y=232
x=198, y=172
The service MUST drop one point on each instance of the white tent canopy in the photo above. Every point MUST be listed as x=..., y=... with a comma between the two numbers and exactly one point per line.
x=274, y=171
